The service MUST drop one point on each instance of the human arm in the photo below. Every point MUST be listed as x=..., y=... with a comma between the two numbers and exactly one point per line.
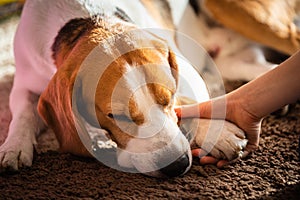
x=247, y=105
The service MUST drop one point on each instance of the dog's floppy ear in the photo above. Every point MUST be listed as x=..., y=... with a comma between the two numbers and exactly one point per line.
x=55, y=107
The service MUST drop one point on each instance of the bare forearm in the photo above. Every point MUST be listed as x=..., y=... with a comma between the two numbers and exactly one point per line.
x=258, y=98
x=247, y=105
x=271, y=91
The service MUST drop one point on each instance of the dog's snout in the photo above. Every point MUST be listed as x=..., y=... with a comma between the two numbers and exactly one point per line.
x=178, y=167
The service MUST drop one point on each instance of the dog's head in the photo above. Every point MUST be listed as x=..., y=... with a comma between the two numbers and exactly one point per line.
x=125, y=82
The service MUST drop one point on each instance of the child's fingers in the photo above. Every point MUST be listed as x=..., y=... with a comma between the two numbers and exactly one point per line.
x=199, y=153
x=222, y=163
x=208, y=160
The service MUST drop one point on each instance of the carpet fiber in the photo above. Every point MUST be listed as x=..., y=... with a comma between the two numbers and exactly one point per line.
x=272, y=172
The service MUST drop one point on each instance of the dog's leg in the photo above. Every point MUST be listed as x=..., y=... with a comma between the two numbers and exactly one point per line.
x=219, y=138
x=17, y=150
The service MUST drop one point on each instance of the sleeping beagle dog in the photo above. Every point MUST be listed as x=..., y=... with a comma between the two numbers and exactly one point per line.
x=110, y=70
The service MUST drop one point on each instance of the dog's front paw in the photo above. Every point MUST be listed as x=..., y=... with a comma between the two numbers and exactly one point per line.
x=220, y=138
x=15, y=154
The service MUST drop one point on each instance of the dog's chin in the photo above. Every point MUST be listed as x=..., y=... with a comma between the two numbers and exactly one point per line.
x=134, y=163
x=167, y=153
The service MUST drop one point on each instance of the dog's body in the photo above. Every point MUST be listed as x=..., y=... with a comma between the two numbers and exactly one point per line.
x=68, y=32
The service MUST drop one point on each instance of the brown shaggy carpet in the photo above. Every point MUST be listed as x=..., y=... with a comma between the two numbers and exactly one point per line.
x=272, y=172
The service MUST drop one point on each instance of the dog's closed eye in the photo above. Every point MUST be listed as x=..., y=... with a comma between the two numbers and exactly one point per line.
x=110, y=115
x=119, y=117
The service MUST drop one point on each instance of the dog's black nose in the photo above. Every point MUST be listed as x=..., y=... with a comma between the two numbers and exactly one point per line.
x=178, y=167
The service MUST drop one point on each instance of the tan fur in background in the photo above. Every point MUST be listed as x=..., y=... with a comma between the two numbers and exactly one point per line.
x=269, y=22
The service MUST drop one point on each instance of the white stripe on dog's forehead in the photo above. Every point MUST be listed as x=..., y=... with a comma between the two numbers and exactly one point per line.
x=134, y=86
x=141, y=96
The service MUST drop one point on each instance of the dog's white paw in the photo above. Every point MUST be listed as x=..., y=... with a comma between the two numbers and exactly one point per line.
x=220, y=138
x=14, y=155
